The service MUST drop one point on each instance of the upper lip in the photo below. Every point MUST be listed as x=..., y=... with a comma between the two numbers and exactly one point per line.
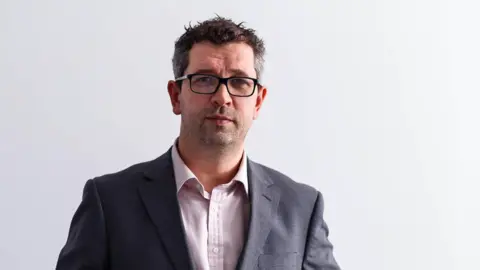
x=219, y=117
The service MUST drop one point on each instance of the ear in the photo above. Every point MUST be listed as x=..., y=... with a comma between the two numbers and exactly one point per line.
x=262, y=93
x=174, y=93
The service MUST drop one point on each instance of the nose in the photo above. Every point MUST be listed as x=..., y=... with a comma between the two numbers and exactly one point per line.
x=222, y=97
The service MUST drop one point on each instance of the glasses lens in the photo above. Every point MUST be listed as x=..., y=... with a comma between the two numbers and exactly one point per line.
x=203, y=83
x=241, y=86
x=237, y=86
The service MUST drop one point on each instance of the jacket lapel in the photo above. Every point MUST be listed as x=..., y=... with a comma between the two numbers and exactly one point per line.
x=159, y=195
x=264, y=198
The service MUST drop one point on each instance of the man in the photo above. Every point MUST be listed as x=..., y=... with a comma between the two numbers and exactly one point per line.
x=203, y=204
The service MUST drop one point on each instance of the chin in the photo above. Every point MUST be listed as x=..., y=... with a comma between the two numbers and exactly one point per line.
x=219, y=139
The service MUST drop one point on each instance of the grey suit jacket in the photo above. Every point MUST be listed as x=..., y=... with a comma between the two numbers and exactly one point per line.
x=131, y=220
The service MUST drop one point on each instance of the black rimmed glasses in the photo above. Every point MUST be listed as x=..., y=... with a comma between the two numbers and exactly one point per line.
x=209, y=84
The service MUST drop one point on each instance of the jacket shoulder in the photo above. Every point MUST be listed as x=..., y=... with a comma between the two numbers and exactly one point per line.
x=123, y=175
x=128, y=178
x=296, y=190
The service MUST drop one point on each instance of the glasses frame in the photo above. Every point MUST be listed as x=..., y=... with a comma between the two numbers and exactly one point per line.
x=221, y=80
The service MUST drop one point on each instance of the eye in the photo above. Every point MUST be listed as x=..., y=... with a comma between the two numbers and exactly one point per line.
x=241, y=82
x=203, y=79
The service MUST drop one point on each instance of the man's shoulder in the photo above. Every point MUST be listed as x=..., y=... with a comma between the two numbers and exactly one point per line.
x=128, y=176
x=131, y=171
x=291, y=187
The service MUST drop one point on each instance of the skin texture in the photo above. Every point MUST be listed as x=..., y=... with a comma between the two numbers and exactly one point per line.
x=210, y=147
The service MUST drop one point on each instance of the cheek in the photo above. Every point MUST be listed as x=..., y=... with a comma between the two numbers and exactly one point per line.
x=247, y=111
x=193, y=106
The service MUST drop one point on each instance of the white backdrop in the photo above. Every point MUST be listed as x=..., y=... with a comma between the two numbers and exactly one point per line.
x=372, y=102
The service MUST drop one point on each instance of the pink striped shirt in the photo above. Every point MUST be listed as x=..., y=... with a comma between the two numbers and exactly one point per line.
x=215, y=223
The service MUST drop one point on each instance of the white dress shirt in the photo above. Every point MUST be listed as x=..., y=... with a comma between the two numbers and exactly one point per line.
x=215, y=223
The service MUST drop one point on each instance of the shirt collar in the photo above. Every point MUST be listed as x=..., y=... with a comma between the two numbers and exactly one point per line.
x=183, y=173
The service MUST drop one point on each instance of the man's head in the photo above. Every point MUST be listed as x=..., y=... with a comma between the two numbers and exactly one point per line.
x=217, y=65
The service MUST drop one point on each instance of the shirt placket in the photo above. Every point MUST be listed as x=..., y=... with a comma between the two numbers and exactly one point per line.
x=215, y=231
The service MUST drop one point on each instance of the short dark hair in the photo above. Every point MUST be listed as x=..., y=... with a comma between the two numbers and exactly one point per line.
x=219, y=31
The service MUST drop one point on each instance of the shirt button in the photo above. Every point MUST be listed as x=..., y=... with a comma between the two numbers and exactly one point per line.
x=215, y=250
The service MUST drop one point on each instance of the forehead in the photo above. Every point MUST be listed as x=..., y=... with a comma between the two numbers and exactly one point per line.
x=224, y=60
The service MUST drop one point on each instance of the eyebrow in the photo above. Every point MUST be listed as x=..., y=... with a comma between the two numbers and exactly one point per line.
x=235, y=72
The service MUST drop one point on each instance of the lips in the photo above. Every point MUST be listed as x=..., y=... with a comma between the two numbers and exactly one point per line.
x=219, y=117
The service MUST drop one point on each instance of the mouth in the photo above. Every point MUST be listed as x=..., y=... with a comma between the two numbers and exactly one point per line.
x=220, y=119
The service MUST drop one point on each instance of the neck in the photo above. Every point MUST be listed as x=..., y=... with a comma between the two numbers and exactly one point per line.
x=212, y=165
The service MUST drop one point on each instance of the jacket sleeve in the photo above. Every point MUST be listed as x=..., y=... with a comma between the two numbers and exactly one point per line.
x=86, y=246
x=318, y=249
